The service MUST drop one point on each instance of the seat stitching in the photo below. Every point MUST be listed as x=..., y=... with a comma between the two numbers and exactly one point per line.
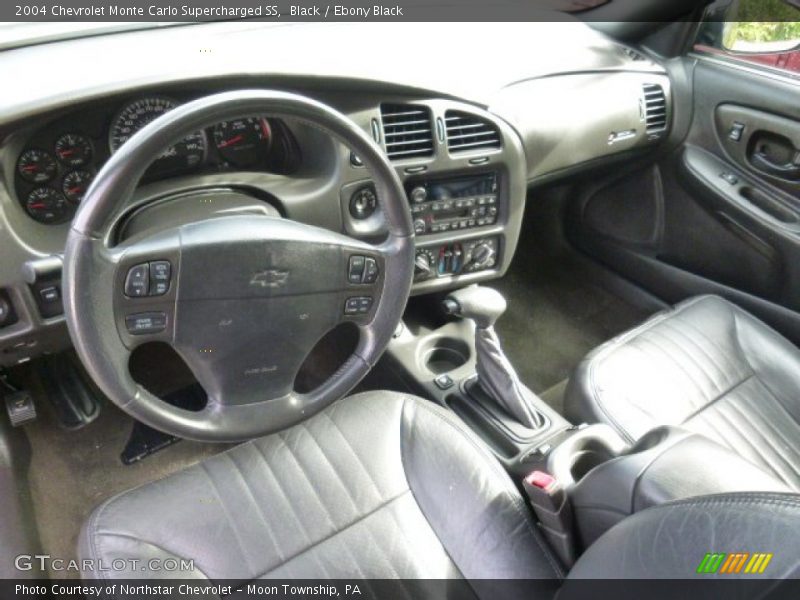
x=698, y=388
x=332, y=535
x=771, y=464
x=283, y=494
x=369, y=531
x=723, y=353
x=721, y=437
x=769, y=443
x=736, y=368
x=308, y=481
x=320, y=500
x=224, y=508
x=604, y=351
x=264, y=520
x=356, y=456
x=780, y=408
x=682, y=340
x=331, y=465
x=739, y=434
x=724, y=394
x=772, y=422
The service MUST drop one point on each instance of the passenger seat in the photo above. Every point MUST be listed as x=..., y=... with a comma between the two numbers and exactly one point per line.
x=708, y=366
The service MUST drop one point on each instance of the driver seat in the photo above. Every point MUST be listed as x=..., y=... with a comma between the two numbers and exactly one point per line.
x=380, y=485
x=385, y=486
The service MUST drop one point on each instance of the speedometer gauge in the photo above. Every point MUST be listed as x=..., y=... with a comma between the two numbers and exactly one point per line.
x=243, y=142
x=189, y=152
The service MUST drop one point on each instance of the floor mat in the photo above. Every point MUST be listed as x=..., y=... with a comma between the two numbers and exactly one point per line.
x=74, y=471
x=554, y=318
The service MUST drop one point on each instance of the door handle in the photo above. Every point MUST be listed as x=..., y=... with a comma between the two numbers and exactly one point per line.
x=790, y=170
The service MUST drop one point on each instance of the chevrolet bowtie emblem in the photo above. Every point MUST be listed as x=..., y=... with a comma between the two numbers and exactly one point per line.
x=272, y=278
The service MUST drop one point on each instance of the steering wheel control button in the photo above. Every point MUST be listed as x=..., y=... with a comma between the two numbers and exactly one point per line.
x=358, y=305
x=370, y=271
x=355, y=271
x=146, y=323
x=137, y=283
x=160, y=273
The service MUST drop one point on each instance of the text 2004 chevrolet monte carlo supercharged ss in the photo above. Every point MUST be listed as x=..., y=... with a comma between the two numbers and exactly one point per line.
x=411, y=310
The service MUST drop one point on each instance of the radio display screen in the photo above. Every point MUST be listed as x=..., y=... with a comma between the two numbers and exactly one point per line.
x=462, y=187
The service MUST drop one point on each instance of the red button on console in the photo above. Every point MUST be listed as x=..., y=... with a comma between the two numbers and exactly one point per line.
x=541, y=480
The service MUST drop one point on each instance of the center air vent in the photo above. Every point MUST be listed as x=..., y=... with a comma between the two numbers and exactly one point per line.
x=469, y=132
x=655, y=108
x=407, y=130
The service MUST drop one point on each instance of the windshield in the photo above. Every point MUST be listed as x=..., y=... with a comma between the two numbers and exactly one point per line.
x=13, y=35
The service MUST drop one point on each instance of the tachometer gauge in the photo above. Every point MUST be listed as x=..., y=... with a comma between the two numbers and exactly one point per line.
x=243, y=142
x=190, y=151
x=73, y=150
x=36, y=166
x=47, y=205
x=75, y=184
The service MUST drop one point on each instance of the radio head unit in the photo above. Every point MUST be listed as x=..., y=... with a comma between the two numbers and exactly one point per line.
x=454, y=203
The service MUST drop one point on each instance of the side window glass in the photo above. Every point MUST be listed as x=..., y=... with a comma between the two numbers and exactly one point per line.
x=762, y=33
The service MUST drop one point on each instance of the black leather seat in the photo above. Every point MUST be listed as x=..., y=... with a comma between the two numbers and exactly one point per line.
x=379, y=485
x=707, y=366
x=387, y=486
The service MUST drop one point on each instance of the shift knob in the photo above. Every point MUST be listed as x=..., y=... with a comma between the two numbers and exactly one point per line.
x=480, y=304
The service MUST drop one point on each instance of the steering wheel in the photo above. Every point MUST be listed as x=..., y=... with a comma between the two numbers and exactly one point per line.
x=242, y=299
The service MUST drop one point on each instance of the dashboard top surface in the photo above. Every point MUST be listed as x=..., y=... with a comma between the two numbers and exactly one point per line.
x=59, y=73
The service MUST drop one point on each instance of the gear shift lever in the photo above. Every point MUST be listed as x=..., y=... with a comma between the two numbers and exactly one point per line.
x=495, y=374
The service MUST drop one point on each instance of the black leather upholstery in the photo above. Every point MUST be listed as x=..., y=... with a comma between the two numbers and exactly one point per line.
x=670, y=541
x=708, y=366
x=380, y=485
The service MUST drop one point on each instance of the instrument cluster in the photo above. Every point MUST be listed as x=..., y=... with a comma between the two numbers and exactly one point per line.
x=55, y=168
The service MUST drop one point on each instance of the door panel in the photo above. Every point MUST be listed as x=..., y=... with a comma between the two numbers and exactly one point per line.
x=720, y=210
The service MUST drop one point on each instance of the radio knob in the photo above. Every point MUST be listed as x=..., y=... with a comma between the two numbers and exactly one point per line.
x=419, y=226
x=482, y=256
x=419, y=194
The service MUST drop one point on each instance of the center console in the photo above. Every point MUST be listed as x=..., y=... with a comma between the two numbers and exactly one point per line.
x=581, y=479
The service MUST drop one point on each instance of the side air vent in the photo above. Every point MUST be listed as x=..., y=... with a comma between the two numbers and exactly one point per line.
x=469, y=132
x=655, y=108
x=407, y=130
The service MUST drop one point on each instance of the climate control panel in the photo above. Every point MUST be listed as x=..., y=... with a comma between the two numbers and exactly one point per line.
x=455, y=258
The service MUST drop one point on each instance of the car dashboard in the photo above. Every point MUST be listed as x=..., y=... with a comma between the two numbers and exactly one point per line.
x=466, y=161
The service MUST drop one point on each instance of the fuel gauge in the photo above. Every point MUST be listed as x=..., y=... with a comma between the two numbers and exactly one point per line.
x=75, y=184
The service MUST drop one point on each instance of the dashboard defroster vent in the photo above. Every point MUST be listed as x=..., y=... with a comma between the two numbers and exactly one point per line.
x=655, y=108
x=407, y=130
x=469, y=132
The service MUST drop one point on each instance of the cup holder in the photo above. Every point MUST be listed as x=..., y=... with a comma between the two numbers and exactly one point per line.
x=586, y=449
x=443, y=355
x=593, y=454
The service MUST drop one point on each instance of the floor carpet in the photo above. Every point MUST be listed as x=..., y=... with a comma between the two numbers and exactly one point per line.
x=72, y=472
x=555, y=316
